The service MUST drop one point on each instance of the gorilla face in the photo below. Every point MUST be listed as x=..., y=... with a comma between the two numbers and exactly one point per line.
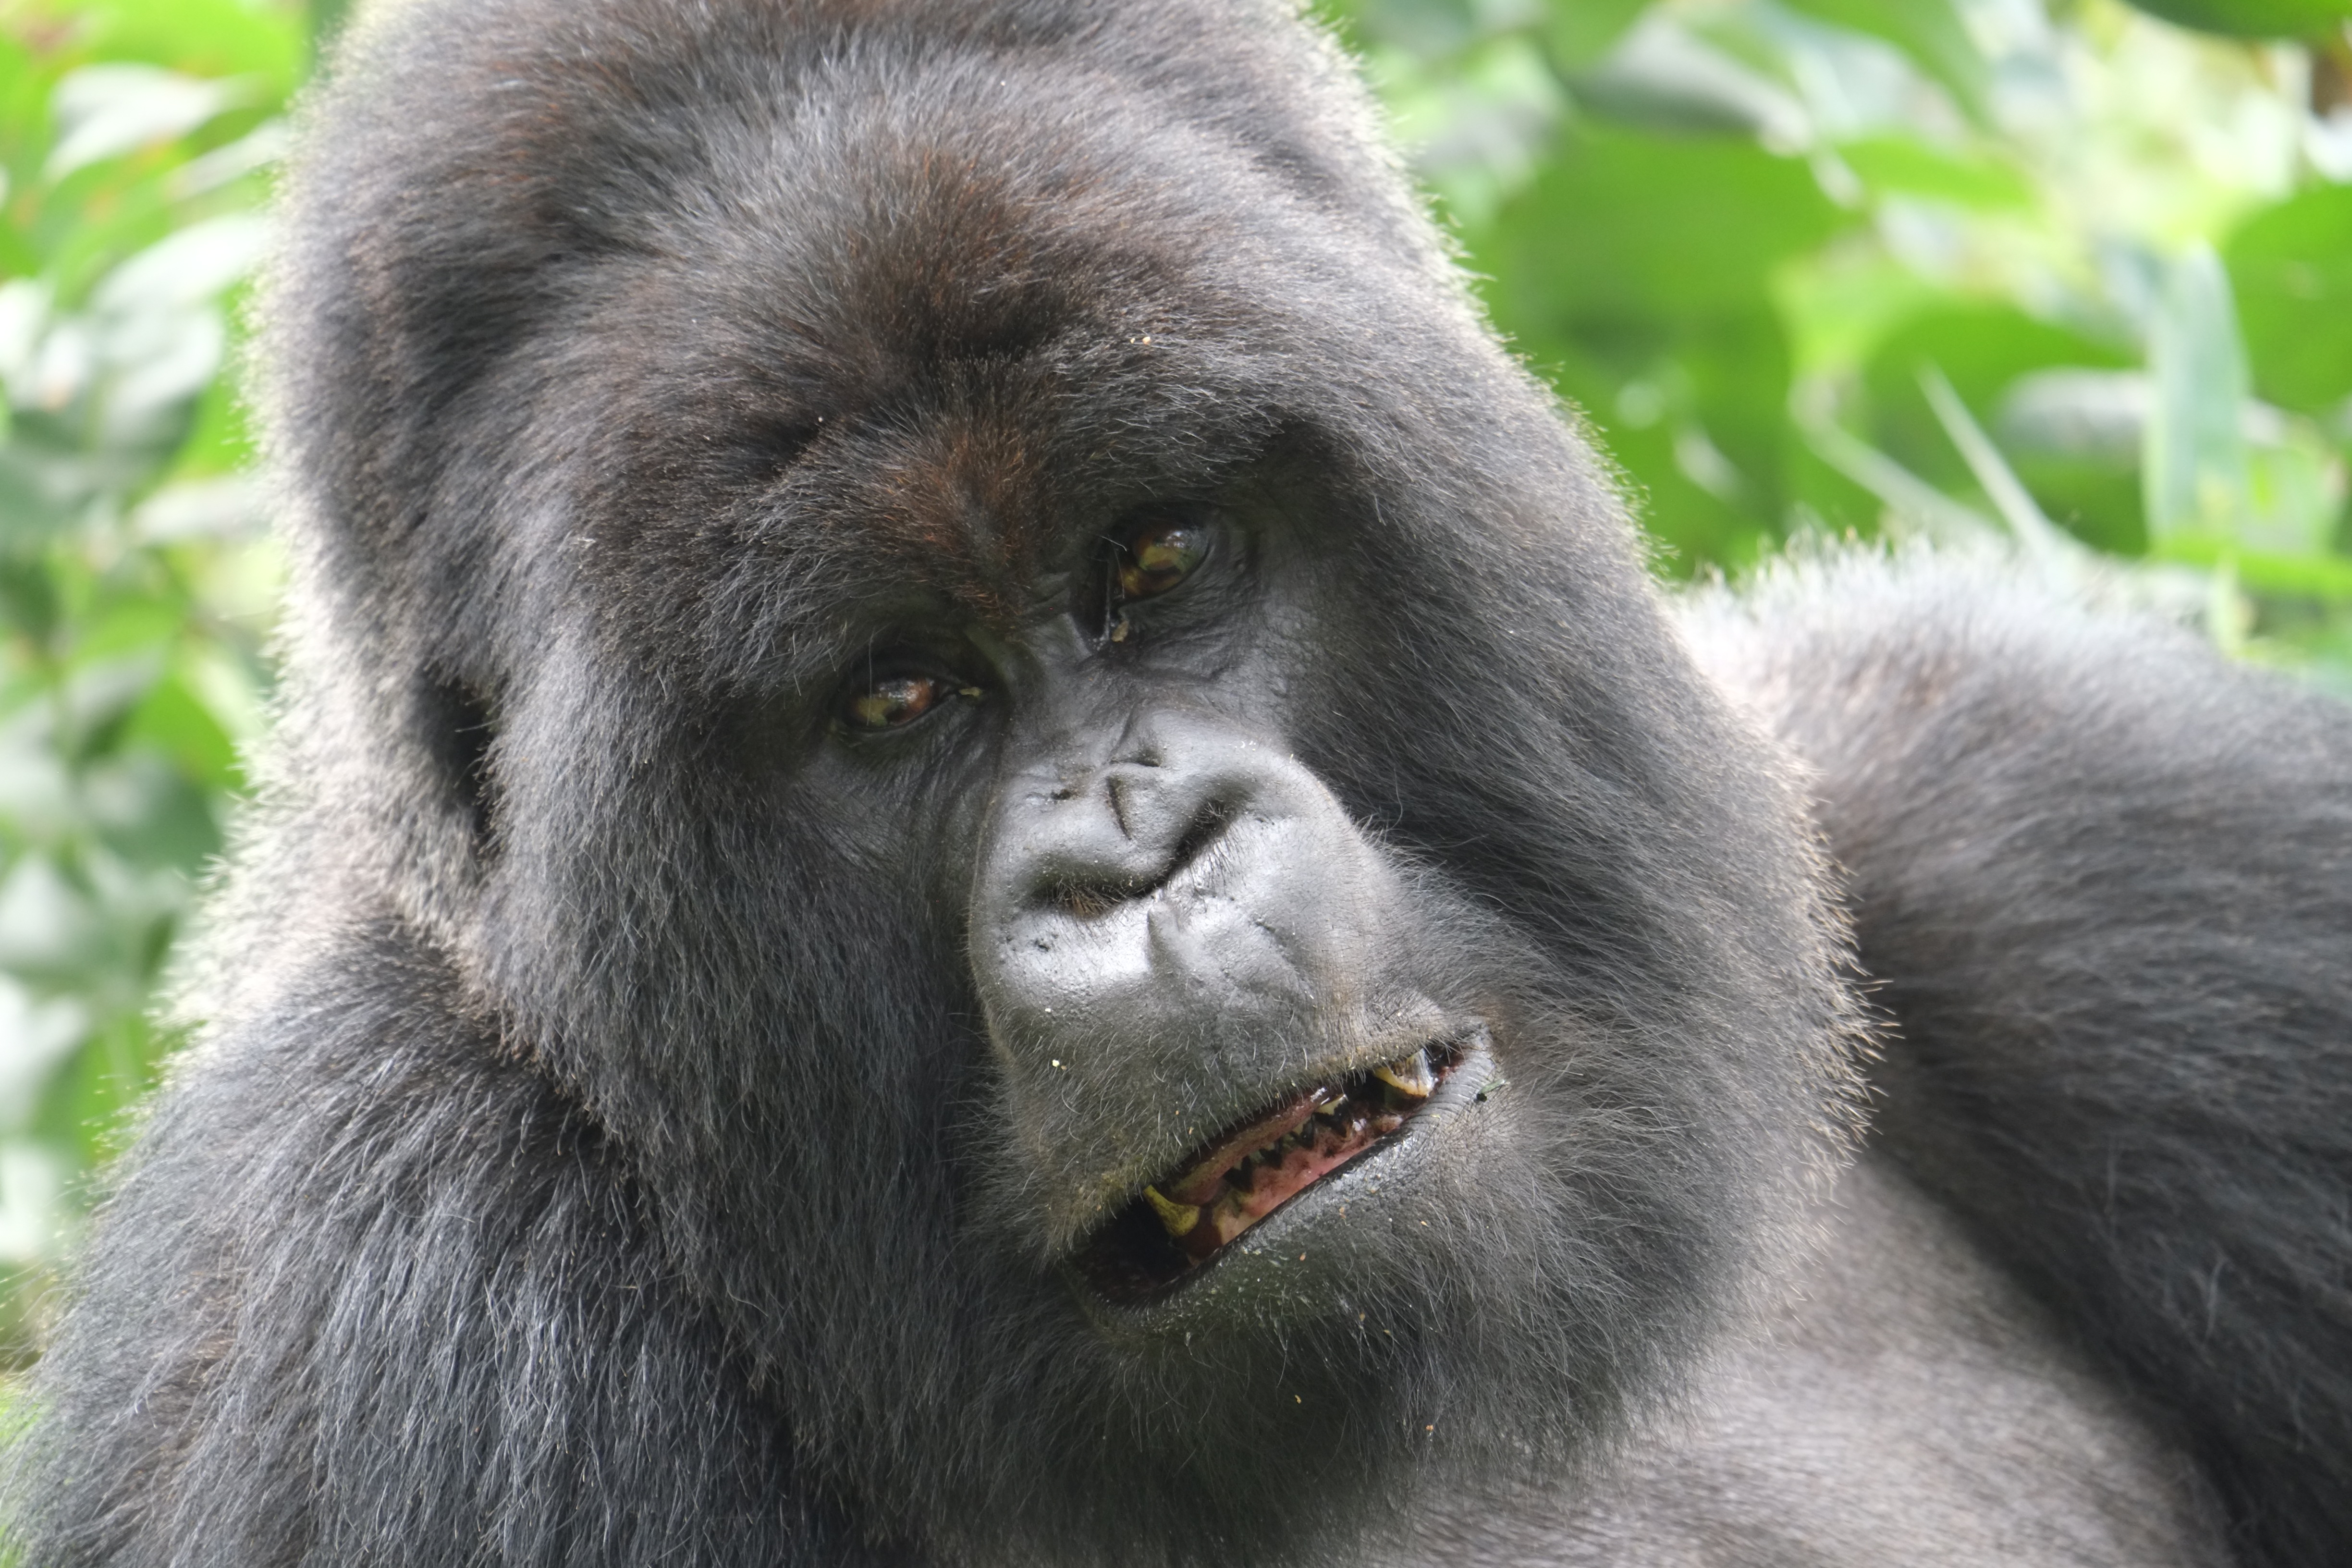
x=1080, y=773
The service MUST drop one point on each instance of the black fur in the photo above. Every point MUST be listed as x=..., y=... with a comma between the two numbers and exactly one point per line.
x=616, y=1138
x=2104, y=883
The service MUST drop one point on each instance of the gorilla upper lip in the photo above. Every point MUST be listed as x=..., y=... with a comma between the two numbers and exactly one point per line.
x=1188, y=1213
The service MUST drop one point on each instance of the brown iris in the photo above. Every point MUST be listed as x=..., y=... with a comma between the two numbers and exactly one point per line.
x=1159, y=558
x=893, y=700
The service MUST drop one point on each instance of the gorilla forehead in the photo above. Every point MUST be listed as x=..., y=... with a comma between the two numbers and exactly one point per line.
x=826, y=354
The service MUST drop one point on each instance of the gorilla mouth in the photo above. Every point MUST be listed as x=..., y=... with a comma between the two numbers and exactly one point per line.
x=1190, y=1213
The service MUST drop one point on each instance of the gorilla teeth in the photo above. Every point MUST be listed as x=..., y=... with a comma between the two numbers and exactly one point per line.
x=1410, y=1074
x=1184, y=1218
x=1177, y=1218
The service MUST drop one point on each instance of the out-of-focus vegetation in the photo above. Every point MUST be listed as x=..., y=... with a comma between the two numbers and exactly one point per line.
x=136, y=583
x=2050, y=268
x=2061, y=271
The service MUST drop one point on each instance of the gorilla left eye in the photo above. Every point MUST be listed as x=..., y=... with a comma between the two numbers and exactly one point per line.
x=1160, y=557
x=894, y=700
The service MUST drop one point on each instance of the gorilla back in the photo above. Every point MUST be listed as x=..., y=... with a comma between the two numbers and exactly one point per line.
x=986, y=848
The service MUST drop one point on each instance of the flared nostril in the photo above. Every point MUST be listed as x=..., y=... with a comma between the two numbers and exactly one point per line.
x=1092, y=899
x=1149, y=852
x=1207, y=826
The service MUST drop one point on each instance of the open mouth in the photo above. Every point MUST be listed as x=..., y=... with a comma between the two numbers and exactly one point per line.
x=1192, y=1212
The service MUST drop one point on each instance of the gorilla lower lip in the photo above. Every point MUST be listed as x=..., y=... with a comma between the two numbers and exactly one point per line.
x=1184, y=1218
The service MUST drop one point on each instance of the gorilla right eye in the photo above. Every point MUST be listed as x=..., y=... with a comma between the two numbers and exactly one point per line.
x=1160, y=556
x=892, y=701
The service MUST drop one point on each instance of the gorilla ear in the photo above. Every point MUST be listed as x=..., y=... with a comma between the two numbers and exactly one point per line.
x=454, y=728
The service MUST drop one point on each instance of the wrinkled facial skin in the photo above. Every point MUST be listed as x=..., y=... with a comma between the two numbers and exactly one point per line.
x=971, y=647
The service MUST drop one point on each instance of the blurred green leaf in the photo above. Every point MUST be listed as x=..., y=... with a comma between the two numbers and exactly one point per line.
x=1692, y=75
x=2193, y=471
x=1912, y=166
x=1985, y=351
x=2291, y=266
x=2254, y=18
x=2312, y=576
x=218, y=38
x=1666, y=336
x=1649, y=228
x=2036, y=535
x=107, y=111
x=1581, y=31
x=172, y=719
x=326, y=21
x=1930, y=31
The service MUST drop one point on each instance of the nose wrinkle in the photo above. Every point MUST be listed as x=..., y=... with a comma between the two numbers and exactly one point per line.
x=1139, y=743
x=1115, y=791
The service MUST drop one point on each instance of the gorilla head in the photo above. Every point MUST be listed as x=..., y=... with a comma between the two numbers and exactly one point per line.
x=951, y=622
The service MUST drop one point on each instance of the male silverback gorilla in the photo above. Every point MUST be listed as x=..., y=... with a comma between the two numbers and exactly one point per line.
x=986, y=850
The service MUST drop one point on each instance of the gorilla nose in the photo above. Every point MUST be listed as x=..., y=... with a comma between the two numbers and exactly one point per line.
x=1124, y=833
x=1190, y=884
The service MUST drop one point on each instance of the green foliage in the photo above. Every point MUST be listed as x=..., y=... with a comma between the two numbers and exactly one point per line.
x=1930, y=32
x=2253, y=18
x=1941, y=266
x=135, y=587
x=2051, y=268
x=1660, y=322
x=2291, y=268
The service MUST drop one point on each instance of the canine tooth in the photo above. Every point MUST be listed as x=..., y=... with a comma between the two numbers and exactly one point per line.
x=1177, y=1219
x=1410, y=1074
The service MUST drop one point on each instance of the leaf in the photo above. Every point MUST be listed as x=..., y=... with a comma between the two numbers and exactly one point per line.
x=1909, y=166
x=1984, y=351
x=106, y=110
x=261, y=40
x=1612, y=273
x=148, y=812
x=1623, y=224
x=1429, y=28
x=326, y=23
x=2034, y=531
x=1908, y=498
x=189, y=268
x=32, y=1202
x=170, y=719
x=2291, y=267
x=47, y=924
x=2193, y=472
x=36, y=1035
x=1664, y=76
x=1580, y=31
x=1930, y=32
x=2253, y=18
x=2090, y=415
x=2303, y=576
